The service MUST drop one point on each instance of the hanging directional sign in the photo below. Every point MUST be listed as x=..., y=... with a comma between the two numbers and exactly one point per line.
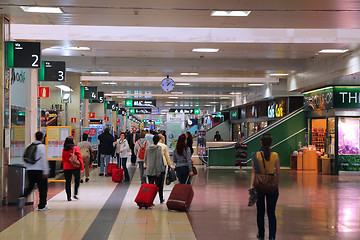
x=89, y=92
x=100, y=98
x=110, y=105
x=140, y=103
x=23, y=55
x=185, y=111
x=52, y=71
x=140, y=110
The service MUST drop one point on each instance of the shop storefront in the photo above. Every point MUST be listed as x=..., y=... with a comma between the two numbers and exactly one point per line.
x=334, y=126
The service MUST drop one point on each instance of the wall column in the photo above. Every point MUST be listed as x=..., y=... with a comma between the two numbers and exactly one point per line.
x=113, y=121
x=86, y=108
x=32, y=112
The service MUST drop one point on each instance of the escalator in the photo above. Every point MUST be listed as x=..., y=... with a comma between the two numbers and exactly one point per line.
x=286, y=133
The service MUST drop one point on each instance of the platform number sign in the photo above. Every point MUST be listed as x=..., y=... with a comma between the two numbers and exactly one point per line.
x=89, y=93
x=100, y=98
x=23, y=55
x=52, y=71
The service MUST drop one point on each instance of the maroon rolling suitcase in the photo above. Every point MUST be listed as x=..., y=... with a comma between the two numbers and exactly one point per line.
x=110, y=168
x=180, y=197
x=146, y=195
x=117, y=174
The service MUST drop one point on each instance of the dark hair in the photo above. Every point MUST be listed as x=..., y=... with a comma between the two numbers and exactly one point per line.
x=39, y=135
x=181, y=145
x=107, y=130
x=266, y=141
x=142, y=134
x=156, y=139
x=85, y=137
x=189, y=136
x=122, y=133
x=69, y=143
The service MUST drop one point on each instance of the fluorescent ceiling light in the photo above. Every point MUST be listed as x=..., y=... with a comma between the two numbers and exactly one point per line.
x=116, y=92
x=189, y=74
x=112, y=83
x=208, y=105
x=182, y=84
x=224, y=98
x=42, y=9
x=213, y=102
x=77, y=48
x=278, y=74
x=105, y=83
x=174, y=97
x=66, y=96
x=210, y=50
x=255, y=84
x=333, y=50
x=99, y=73
x=120, y=97
x=170, y=102
x=235, y=93
x=64, y=88
x=176, y=92
x=230, y=13
x=168, y=105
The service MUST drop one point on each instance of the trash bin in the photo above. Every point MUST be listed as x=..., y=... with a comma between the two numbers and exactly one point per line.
x=334, y=167
x=16, y=184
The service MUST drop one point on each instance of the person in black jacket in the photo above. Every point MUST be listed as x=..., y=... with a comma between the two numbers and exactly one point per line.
x=106, y=150
x=132, y=138
x=189, y=141
x=217, y=136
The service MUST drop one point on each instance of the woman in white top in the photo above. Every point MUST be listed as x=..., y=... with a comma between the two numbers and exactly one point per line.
x=122, y=147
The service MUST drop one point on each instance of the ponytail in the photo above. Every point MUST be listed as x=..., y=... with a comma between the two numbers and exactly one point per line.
x=266, y=141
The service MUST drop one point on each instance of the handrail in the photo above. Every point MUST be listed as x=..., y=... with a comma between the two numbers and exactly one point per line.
x=277, y=123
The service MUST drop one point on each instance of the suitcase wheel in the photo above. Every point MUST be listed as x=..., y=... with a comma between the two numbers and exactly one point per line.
x=146, y=207
x=139, y=207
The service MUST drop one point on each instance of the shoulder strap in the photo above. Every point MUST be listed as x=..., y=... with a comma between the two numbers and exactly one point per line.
x=262, y=155
x=256, y=163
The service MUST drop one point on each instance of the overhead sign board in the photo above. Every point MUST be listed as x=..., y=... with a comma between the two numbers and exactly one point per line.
x=140, y=110
x=185, y=111
x=234, y=114
x=100, y=99
x=140, y=103
x=23, y=54
x=52, y=71
x=89, y=92
x=110, y=105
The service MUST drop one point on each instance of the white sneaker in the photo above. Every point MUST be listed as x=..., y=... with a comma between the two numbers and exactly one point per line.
x=43, y=209
x=21, y=202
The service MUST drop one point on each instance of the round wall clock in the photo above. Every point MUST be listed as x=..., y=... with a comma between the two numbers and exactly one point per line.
x=167, y=84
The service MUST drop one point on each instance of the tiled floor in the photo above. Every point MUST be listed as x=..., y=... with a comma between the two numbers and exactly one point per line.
x=310, y=206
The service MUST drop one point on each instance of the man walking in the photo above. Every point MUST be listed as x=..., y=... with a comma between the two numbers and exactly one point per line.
x=106, y=150
x=133, y=137
x=37, y=168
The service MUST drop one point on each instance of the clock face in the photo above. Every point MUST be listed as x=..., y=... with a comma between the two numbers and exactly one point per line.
x=167, y=84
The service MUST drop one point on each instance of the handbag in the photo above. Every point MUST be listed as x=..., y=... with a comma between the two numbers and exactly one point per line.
x=171, y=176
x=74, y=161
x=194, y=170
x=265, y=183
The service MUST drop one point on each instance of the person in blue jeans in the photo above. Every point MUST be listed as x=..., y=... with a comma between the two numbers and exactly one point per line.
x=271, y=162
x=182, y=159
x=106, y=150
x=122, y=147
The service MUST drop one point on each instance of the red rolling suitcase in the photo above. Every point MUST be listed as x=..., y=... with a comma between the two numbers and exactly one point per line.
x=180, y=197
x=110, y=168
x=146, y=195
x=117, y=174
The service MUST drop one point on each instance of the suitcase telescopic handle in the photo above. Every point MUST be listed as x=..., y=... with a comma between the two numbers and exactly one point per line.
x=192, y=179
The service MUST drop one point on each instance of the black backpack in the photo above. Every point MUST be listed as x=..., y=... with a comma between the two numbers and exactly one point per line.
x=30, y=153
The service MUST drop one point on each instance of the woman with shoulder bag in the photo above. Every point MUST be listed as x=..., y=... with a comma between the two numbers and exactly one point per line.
x=182, y=159
x=266, y=184
x=72, y=164
x=122, y=147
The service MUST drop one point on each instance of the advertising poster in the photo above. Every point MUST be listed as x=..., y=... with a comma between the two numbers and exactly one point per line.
x=49, y=118
x=55, y=141
x=92, y=136
x=17, y=144
x=174, y=128
x=348, y=136
x=201, y=143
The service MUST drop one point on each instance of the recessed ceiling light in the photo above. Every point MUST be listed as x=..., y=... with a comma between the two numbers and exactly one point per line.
x=77, y=48
x=209, y=50
x=112, y=83
x=333, y=50
x=208, y=105
x=230, y=13
x=99, y=73
x=170, y=102
x=174, y=97
x=177, y=93
x=182, y=84
x=189, y=74
x=168, y=105
x=278, y=74
x=255, y=84
x=224, y=98
x=105, y=83
x=213, y=102
x=116, y=92
x=42, y=9
x=235, y=93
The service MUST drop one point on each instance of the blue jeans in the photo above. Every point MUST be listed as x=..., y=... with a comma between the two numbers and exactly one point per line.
x=107, y=160
x=142, y=171
x=121, y=162
x=271, y=200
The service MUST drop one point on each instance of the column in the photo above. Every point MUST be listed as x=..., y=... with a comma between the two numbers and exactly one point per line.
x=31, y=115
x=73, y=81
x=3, y=157
x=86, y=110
x=114, y=117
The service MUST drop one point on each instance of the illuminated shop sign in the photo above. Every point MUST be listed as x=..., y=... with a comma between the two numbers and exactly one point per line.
x=140, y=103
x=276, y=109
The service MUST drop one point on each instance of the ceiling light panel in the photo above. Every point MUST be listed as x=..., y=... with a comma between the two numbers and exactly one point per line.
x=182, y=84
x=99, y=73
x=41, y=9
x=206, y=50
x=77, y=48
x=333, y=50
x=189, y=74
x=278, y=74
x=256, y=84
x=230, y=13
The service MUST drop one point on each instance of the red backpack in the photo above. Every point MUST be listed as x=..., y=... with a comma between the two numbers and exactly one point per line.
x=142, y=150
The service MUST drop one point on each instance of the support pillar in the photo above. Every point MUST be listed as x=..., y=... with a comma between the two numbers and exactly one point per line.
x=86, y=109
x=113, y=121
x=31, y=118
